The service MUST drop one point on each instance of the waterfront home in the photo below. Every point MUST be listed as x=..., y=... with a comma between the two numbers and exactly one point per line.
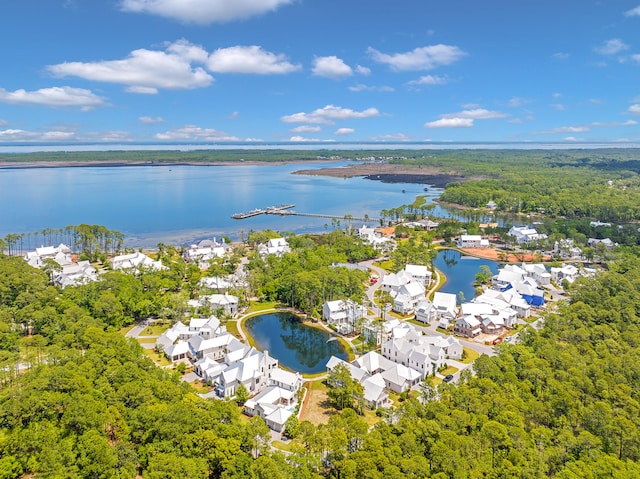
x=373, y=363
x=286, y=380
x=491, y=205
x=596, y=224
x=74, y=274
x=525, y=234
x=538, y=272
x=221, y=284
x=401, y=378
x=273, y=404
x=565, y=248
x=61, y=254
x=135, y=262
x=375, y=392
x=407, y=297
x=419, y=273
x=530, y=292
x=205, y=251
x=355, y=372
x=376, y=239
x=343, y=314
x=252, y=371
x=472, y=241
x=215, y=347
x=275, y=246
x=606, y=242
x=392, y=282
x=227, y=302
x=443, y=309
x=566, y=271
x=468, y=326
x=509, y=300
x=422, y=353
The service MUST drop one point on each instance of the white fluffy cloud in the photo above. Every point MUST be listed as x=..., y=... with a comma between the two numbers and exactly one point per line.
x=145, y=71
x=23, y=135
x=635, y=109
x=56, y=96
x=423, y=58
x=476, y=114
x=464, y=118
x=361, y=87
x=149, y=120
x=450, y=123
x=203, y=11
x=611, y=47
x=344, y=131
x=249, y=59
x=305, y=129
x=195, y=133
x=331, y=67
x=517, y=101
x=634, y=12
x=329, y=114
x=429, y=80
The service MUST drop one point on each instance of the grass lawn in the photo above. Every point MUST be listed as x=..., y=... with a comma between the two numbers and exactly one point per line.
x=415, y=322
x=147, y=340
x=156, y=329
x=395, y=397
x=201, y=387
x=287, y=447
x=158, y=358
x=449, y=370
x=262, y=306
x=435, y=380
x=470, y=356
x=232, y=328
x=386, y=265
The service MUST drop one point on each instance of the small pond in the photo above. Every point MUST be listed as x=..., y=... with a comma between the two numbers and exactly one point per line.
x=297, y=346
x=461, y=271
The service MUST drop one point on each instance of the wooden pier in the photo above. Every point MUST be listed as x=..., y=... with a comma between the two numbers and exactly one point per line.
x=285, y=210
x=319, y=215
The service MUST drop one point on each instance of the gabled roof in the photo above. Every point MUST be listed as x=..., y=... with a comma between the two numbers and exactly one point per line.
x=373, y=361
x=400, y=374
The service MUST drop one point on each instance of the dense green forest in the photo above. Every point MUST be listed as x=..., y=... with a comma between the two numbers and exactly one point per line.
x=601, y=184
x=78, y=400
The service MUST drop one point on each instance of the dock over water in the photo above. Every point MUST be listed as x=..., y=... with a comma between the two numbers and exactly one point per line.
x=285, y=210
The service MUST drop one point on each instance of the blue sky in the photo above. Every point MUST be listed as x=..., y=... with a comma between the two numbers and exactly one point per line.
x=176, y=71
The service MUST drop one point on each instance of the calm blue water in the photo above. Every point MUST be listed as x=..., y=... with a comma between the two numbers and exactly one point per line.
x=181, y=204
x=460, y=272
x=296, y=346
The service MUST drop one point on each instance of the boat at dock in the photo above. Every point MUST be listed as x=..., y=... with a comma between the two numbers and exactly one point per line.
x=249, y=214
x=273, y=209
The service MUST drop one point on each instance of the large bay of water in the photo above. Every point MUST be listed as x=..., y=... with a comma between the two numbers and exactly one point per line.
x=181, y=204
x=296, y=346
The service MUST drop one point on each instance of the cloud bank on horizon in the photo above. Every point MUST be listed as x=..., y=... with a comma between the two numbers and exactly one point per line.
x=214, y=71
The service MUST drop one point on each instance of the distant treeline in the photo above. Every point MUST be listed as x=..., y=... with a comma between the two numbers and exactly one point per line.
x=199, y=156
